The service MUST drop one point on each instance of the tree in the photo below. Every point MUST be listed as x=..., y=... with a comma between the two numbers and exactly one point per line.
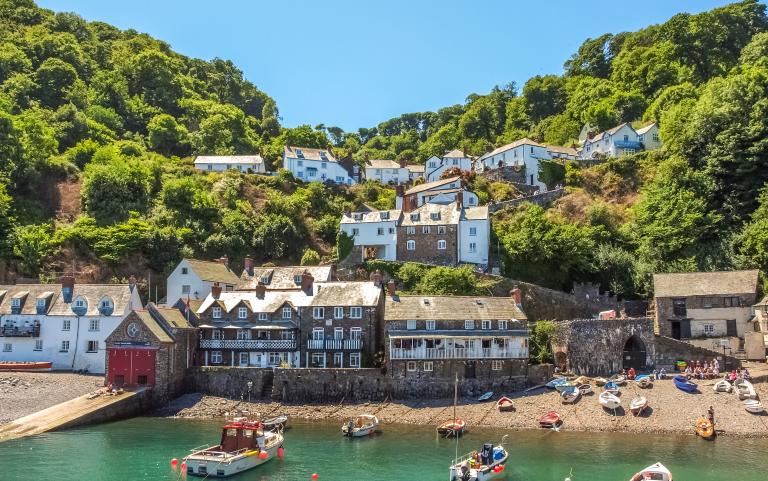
x=113, y=189
x=167, y=136
x=594, y=56
x=54, y=77
x=310, y=258
x=756, y=52
x=544, y=96
x=277, y=237
x=6, y=219
x=31, y=244
x=542, y=334
x=457, y=281
x=12, y=61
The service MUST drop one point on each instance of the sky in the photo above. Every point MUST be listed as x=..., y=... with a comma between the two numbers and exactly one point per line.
x=355, y=63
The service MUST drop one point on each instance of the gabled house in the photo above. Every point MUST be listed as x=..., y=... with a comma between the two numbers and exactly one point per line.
x=621, y=140
x=193, y=279
x=250, y=164
x=375, y=232
x=523, y=154
x=439, y=191
x=387, y=171
x=436, y=166
x=309, y=164
x=282, y=278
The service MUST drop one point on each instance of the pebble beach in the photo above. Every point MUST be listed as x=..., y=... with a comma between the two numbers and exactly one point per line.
x=23, y=393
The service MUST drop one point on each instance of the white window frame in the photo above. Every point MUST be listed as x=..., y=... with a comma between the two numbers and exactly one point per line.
x=356, y=312
x=485, y=324
x=410, y=245
x=355, y=333
x=430, y=324
x=246, y=356
x=186, y=289
x=503, y=324
x=318, y=334
x=93, y=325
x=473, y=231
x=472, y=247
x=338, y=313
x=287, y=310
x=16, y=302
x=469, y=324
x=66, y=325
x=410, y=230
x=64, y=346
x=428, y=366
x=338, y=359
x=242, y=313
x=38, y=345
x=92, y=346
x=338, y=333
x=442, y=245
x=379, y=231
x=263, y=316
x=441, y=229
x=709, y=329
x=40, y=303
x=318, y=312
x=410, y=324
x=216, y=357
x=354, y=360
x=410, y=366
x=425, y=229
x=496, y=365
x=7, y=347
x=216, y=312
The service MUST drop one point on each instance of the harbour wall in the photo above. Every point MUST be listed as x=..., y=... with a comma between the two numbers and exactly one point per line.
x=669, y=350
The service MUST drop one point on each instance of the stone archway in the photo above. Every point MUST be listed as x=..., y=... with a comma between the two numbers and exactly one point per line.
x=634, y=354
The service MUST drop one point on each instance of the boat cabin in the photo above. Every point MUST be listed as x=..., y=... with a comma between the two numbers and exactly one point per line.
x=242, y=435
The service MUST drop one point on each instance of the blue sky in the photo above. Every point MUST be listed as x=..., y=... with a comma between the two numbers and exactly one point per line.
x=356, y=63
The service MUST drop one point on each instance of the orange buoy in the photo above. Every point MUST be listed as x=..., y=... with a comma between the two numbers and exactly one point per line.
x=263, y=455
x=184, y=465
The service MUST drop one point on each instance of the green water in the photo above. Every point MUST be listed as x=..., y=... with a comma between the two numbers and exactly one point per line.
x=141, y=449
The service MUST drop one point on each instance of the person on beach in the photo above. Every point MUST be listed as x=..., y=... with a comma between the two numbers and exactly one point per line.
x=656, y=374
x=663, y=373
x=716, y=364
x=745, y=374
x=688, y=371
x=733, y=376
x=631, y=373
x=711, y=416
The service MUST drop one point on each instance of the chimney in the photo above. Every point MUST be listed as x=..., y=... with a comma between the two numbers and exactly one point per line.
x=67, y=287
x=261, y=289
x=223, y=260
x=248, y=266
x=399, y=190
x=306, y=282
x=460, y=199
x=391, y=288
x=517, y=295
x=403, y=163
x=376, y=278
x=132, y=282
x=216, y=290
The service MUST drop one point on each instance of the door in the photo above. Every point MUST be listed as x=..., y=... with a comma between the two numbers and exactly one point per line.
x=730, y=328
x=256, y=359
x=469, y=370
x=244, y=358
x=634, y=354
x=685, y=329
x=675, y=329
x=142, y=367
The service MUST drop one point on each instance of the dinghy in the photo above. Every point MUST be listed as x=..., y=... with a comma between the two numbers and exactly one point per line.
x=638, y=405
x=611, y=387
x=278, y=423
x=452, y=428
x=600, y=381
x=643, y=381
x=29, y=366
x=656, y=472
x=585, y=389
x=609, y=401
x=705, y=428
x=565, y=386
x=570, y=395
x=744, y=389
x=550, y=420
x=619, y=379
x=683, y=384
x=722, y=386
x=555, y=382
x=484, y=465
x=580, y=380
x=485, y=397
x=753, y=406
x=362, y=425
x=505, y=404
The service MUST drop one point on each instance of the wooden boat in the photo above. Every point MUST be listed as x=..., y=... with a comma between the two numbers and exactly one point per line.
x=611, y=387
x=600, y=381
x=30, y=366
x=276, y=423
x=744, y=389
x=683, y=384
x=609, y=400
x=570, y=395
x=656, y=472
x=581, y=380
x=585, y=389
x=484, y=465
x=722, y=386
x=555, y=382
x=362, y=425
x=643, y=381
x=244, y=445
x=452, y=428
x=753, y=406
x=619, y=379
x=485, y=397
x=638, y=405
x=565, y=386
x=505, y=404
x=705, y=428
x=551, y=419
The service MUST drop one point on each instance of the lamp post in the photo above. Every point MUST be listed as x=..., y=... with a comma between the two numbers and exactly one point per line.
x=250, y=385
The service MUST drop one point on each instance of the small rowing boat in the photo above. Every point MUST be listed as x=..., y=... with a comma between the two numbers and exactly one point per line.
x=643, y=381
x=656, y=472
x=638, y=405
x=452, y=428
x=600, y=381
x=585, y=389
x=362, y=425
x=276, y=423
x=505, y=404
x=619, y=379
x=570, y=395
x=30, y=366
x=705, y=428
x=683, y=384
x=609, y=400
x=722, y=386
x=744, y=389
x=611, y=387
x=753, y=406
x=555, y=382
x=565, y=386
x=551, y=419
x=485, y=397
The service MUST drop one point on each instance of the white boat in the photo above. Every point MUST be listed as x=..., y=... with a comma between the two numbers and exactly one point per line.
x=362, y=425
x=585, y=389
x=753, y=406
x=656, y=472
x=571, y=395
x=744, y=389
x=722, y=386
x=609, y=401
x=244, y=445
x=638, y=405
x=619, y=379
x=487, y=464
x=643, y=381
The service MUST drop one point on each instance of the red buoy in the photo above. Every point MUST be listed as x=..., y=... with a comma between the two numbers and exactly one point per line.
x=280, y=453
x=263, y=455
x=314, y=476
x=183, y=465
x=174, y=463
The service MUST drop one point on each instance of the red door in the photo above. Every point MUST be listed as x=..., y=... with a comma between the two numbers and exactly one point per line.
x=131, y=367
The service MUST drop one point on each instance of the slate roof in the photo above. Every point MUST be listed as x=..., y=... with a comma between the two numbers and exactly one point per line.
x=448, y=214
x=382, y=164
x=562, y=150
x=153, y=325
x=93, y=293
x=347, y=294
x=373, y=216
x=229, y=159
x=282, y=277
x=504, y=148
x=431, y=185
x=455, y=154
x=705, y=283
x=212, y=271
x=309, y=153
x=174, y=318
x=416, y=167
x=444, y=308
x=28, y=293
x=475, y=213
x=611, y=131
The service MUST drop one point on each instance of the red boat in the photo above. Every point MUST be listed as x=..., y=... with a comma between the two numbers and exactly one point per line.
x=452, y=428
x=25, y=366
x=550, y=420
x=505, y=404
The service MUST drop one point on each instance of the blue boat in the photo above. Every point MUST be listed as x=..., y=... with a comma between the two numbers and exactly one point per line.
x=611, y=387
x=556, y=382
x=683, y=384
x=485, y=397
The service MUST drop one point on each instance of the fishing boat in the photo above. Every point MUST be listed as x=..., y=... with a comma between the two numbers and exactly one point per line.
x=611, y=387
x=722, y=386
x=753, y=406
x=638, y=405
x=643, y=381
x=683, y=384
x=362, y=425
x=30, y=366
x=705, y=428
x=485, y=397
x=744, y=389
x=555, y=382
x=277, y=423
x=244, y=445
x=585, y=389
x=551, y=419
x=484, y=465
x=656, y=472
x=570, y=395
x=600, y=381
x=609, y=400
x=452, y=428
x=505, y=404
x=619, y=379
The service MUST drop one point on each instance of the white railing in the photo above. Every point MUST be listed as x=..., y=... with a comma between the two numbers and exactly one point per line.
x=335, y=344
x=458, y=353
x=265, y=344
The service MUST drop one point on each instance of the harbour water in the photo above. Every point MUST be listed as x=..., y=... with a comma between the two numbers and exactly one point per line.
x=141, y=449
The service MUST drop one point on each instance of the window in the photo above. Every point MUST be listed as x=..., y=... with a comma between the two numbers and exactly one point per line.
x=318, y=334
x=428, y=366
x=441, y=229
x=434, y=216
x=41, y=303
x=339, y=179
x=732, y=302
x=410, y=324
x=355, y=333
x=210, y=166
x=486, y=324
x=678, y=306
x=263, y=316
x=425, y=229
x=411, y=366
x=216, y=312
x=415, y=217
x=355, y=232
x=432, y=164
x=318, y=359
x=217, y=334
x=80, y=303
x=496, y=365
x=431, y=325
x=471, y=200
x=185, y=289
x=64, y=346
x=244, y=359
x=286, y=312
x=473, y=231
x=338, y=312
x=216, y=357
x=242, y=313
x=410, y=245
x=66, y=325
x=502, y=325
x=709, y=329
x=323, y=165
x=243, y=334
x=338, y=359
x=354, y=359
x=441, y=245
x=380, y=231
x=655, y=137
x=455, y=161
x=300, y=174
x=7, y=347
x=384, y=215
x=185, y=270
x=391, y=230
x=105, y=304
x=469, y=324
x=472, y=247
x=410, y=230
x=38, y=344
x=355, y=312
x=318, y=312
x=706, y=302
x=93, y=346
x=300, y=163
x=338, y=333
x=16, y=302
x=93, y=325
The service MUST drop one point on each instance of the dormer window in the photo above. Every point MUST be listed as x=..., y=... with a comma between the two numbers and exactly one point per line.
x=357, y=216
x=297, y=279
x=41, y=303
x=299, y=153
x=79, y=302
x=415, y=217
x=16, y=302
x=264, y=279
x=384, y=216
x=106, y=306
x=216, y=313
x=434, y=216
x=323, y=156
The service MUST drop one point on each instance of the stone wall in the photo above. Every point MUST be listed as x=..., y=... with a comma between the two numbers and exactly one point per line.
x=669, y=350
x=426, y=244
x=231, y=382
x=542, y=199
x=515, y=175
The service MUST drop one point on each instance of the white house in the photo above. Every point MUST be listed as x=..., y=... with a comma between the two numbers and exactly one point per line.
x=474, y=235
x=193, y=279
x=375, y=232
x=436, y=166
x=621, y=140
x=251, y=164
x=560, y=152
x=387, y=171
x=415, y=171
x=523, y=153
x=320, y=165
x=649, y=136
x=66, y=324
x=442, y=191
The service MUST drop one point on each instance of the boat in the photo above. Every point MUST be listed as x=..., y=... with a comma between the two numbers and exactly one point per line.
x=722, y=386
x=565, y=386
x=485, y=397
x=244, y=445
x=705, y=428
x=452, y=428
x=683, y=384
x=555, y=382
x=585, y=389
x=600, y=381
x=505, y=404
x=581, y=380
x=551, y=419
x=484, y=465
x=638, y=405
x=619, y=379
x=570, y=395
x=609, y=400
x=277, y=423
x=744, y=389
x=753, y=406
x=643, y=381
x=362, y=425
x=611, y=387
x=656, y=472
x=29, y=366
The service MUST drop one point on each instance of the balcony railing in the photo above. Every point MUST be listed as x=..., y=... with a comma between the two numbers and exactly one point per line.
x=459, y=353
x=250, y=344
x=26, y=331
x=335, y=344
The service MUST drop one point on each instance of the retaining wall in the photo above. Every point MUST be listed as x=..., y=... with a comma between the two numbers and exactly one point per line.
x=231, y=382
x=542, y=199
x=669, y=350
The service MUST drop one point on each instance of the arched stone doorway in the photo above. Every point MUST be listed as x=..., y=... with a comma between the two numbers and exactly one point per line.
x=634, y=354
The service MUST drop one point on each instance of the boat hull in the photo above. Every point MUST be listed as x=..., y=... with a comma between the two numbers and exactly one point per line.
x=224, y=466
x=609, y=401
x=685, y=385
x=638, y=405
x=484, y=474
x=26, y=366
x=753, y=406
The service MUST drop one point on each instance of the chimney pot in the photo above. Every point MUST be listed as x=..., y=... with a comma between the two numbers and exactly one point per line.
x=306, y=282
x=261, y=289
x=517, y=295
x=391, y=288
x=248, y=265
x=460, y=199
x=216, y=290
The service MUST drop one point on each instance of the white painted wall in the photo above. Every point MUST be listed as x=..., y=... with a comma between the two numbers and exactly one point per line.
x=198, y=288
x=325, y=170
x=717, y=317
x=218, y=167
x=521, y=155
x=434, y=173
x=651, y=139
x=481, y=239
x=367, y=234
x=385, y=176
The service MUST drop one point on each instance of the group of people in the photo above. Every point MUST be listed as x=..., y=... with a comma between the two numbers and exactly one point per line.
x=738, y=374
x=705, y=370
